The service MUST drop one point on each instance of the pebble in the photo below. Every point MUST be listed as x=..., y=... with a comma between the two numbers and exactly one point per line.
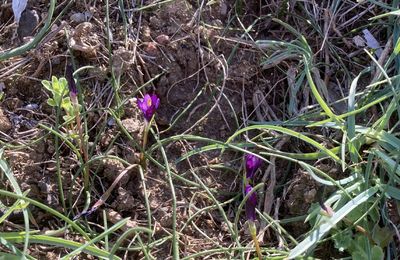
x=162, y=39
x=27, y=24
x=78, y=17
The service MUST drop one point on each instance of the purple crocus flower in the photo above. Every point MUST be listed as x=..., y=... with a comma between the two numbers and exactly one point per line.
x=73, y=91
x=251, y=203
x=252, y=164
x=148, y=105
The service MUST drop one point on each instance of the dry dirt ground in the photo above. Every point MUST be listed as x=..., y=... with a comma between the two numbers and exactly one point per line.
x=193, y=55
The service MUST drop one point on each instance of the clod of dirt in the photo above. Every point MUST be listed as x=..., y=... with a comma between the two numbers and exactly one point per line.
x=5, y=124
x=122, y=60
x=150, y=48
x=124, y=200
x=130, y=155
x=134, y=127
x=24, y=163
x=114, y=217
x=83, y=39
x=47, y=189
x=162, y=39
x=302, y=193
x=27, y=24
x=309, y=196
x=165, y=216
x=107, y=137
x=112, y=168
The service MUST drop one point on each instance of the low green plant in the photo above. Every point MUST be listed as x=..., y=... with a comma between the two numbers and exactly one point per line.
x=60, y=97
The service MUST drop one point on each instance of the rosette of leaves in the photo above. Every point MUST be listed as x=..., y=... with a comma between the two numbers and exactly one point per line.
x=60, y=97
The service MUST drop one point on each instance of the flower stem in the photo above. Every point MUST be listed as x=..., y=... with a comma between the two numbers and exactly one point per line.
x=253, y=232
x=144, y=144
x=82, y=148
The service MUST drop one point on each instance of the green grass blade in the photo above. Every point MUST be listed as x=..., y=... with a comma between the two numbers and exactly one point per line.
x=290, y=133
x=60, y=242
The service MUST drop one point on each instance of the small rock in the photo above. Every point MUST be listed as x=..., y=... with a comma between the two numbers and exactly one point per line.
x=78, y=17
x=27, y=24
x=359, y=41
x=162, y=39
x=111, y=122
x=150, y=48
x=5, y=124
x=32, y=106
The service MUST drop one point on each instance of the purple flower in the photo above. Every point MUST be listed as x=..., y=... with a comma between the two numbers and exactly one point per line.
x=73, y=91
x=252, y=164
x=251, y=203
x=148, y=105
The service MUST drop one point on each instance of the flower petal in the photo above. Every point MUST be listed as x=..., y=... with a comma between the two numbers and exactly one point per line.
x=148, y=105
x=142, y=105
x=147, y=100
x=155, y=101
x=71, y=81
x=251, y=203
x=252, y=164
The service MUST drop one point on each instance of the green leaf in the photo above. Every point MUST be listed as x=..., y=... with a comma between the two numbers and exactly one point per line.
x=377, y=253
x=343, y=240
x=63, y=86
x=66, y=104
x=359, y=247
x=47, y=85
x=55, y=85
x=51, y=102
x=382, y=236
x=359, y=255
x=5, y=256
x=358, y=212
x=392, y=192
x=67, y=118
